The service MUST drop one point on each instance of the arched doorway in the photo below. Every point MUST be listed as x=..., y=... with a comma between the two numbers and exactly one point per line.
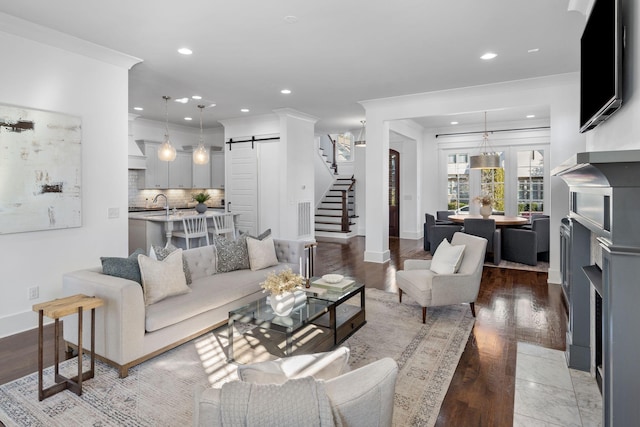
x=394, y=193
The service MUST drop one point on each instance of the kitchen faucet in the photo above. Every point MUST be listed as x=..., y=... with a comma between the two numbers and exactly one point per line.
x=166, y=202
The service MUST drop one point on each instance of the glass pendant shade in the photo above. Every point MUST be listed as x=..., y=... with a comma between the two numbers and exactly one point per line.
x=361, y=140
x=201, y=154
x=167, y=152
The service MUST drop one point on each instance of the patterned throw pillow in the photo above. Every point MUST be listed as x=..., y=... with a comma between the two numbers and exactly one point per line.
x=125, y=268
x=163, y=251
x=232, y=254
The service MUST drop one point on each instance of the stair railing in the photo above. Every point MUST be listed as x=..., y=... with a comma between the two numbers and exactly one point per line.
x=345, y=205
x=334, y=164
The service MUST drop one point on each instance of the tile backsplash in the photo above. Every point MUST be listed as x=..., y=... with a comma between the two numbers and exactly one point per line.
x=176, y=197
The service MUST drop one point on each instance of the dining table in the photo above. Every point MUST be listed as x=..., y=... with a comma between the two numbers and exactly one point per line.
x=501, y=220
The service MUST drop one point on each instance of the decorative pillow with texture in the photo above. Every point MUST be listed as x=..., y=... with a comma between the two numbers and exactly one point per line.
x=161, y=252
x=232, y=254
x=262, y=251
x=261, y=236
x=447, y=258
x=162, y=279
x=125, y=268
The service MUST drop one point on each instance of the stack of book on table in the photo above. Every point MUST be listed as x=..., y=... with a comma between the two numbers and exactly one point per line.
x=339, y=286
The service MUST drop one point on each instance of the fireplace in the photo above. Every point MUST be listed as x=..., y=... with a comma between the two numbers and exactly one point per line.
x=604, y=279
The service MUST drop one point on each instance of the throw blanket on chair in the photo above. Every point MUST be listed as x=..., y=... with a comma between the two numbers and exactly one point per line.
x=301, y=402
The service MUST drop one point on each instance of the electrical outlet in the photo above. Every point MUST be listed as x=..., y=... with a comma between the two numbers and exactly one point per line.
x=34, y=292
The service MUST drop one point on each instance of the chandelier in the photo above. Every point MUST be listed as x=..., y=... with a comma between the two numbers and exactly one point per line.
x=487, y=159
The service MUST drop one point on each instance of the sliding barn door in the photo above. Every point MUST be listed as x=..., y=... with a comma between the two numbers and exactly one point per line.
x=241, y=186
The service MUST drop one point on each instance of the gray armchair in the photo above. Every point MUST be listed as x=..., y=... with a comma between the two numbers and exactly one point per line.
x=486, y=228
x=527, y=246
x=434, y=233
x=430, y=289
x=442, y=217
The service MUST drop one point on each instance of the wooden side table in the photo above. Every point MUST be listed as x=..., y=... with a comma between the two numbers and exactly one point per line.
x=55, y=310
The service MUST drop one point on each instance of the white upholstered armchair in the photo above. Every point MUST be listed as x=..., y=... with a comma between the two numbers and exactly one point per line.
x=430, y=289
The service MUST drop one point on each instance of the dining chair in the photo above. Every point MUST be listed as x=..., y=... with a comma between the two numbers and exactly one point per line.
x=193, y=227
x=486, y=228
x=223, y=225
x=527, y=246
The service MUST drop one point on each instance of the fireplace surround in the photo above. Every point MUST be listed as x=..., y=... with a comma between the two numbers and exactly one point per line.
x=605, y=217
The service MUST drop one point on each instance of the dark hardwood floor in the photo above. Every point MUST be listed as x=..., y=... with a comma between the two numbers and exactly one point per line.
x=512, y=306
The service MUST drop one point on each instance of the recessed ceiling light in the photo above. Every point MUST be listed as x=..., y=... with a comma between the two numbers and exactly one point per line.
x=244, y=110
x=285, y=91
x=188, y=119
x=185, y=51
x=290, y=19
x=454, y=123
x=182, y=100
x=488, y=55
x=138, y=108
x=530, y=116
x=533, y=50
x=196, y=97
x=210, y=105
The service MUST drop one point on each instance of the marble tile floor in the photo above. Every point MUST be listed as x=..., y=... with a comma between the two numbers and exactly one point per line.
x=548, y=393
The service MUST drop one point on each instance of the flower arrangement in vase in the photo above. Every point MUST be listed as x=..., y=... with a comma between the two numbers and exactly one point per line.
x=486, y=204
x=201, y=198
x=282, y=287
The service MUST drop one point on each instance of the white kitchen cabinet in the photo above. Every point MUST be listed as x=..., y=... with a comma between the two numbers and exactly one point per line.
x=217, y=169
x=156, y=175
x=202, y=175
x=180, y=171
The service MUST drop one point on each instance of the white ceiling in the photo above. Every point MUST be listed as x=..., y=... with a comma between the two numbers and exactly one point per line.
x=338, y=52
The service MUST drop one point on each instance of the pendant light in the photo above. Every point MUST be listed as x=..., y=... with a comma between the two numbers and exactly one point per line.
x=167, y=152
x=487, y=159
x=361, y=141
x=201, y=154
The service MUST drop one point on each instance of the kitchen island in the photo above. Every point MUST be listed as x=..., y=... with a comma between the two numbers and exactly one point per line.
x=154, y=227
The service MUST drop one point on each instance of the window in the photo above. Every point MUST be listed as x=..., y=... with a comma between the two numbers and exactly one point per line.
x=457, y=180
x=344, y=144
x=492, y=183
x=530, y=182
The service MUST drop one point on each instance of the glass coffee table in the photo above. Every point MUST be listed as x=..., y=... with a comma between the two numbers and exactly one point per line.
x=338, y=312
x=260, y=314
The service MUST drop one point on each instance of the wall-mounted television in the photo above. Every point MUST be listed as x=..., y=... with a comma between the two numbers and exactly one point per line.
x=601, y=64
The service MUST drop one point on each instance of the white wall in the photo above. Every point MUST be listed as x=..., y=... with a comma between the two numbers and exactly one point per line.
x=37, y=75
x=560, y=93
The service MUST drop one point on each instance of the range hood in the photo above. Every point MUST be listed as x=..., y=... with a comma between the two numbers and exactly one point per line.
x=601, y=169
x=137, y=160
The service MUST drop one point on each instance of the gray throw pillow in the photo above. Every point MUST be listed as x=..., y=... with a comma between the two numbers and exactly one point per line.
x=163, y=251
x=125, y=268
x=232, y=254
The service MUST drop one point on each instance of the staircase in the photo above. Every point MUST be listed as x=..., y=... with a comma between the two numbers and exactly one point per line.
x=330, y=220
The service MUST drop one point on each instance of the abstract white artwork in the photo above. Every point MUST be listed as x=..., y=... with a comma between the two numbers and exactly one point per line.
x=40, y=170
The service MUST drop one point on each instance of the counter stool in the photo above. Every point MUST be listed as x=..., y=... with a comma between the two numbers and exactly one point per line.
x=55, y=310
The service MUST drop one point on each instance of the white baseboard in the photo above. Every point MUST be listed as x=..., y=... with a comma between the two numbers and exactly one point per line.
x=410, y=235
x=19, y=322
x=554, y=276
x=378, y=257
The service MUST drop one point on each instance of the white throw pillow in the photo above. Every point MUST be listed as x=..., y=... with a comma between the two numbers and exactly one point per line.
x=162, y=279
x=262, y=253
x=447, y=258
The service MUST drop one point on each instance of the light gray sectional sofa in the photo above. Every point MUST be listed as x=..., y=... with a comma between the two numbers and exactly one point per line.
x=128, y=332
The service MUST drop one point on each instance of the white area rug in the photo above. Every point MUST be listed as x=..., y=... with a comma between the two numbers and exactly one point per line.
x=160, y=391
